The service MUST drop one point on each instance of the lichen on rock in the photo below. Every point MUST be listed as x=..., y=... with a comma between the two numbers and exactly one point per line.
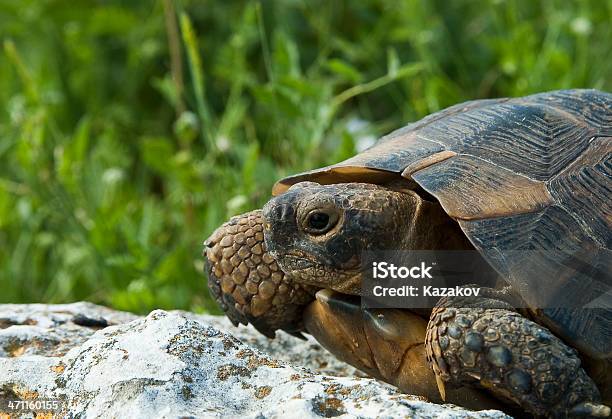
x=105, y=363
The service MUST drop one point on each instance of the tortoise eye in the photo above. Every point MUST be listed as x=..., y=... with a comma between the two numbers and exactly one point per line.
x=320, y=221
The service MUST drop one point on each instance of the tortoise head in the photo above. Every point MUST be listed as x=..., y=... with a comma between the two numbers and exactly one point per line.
x=264, y=267
x=318, y=233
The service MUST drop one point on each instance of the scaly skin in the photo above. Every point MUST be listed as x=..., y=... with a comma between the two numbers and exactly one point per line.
x=247, y=282
x=264, y=268
x=486, y=343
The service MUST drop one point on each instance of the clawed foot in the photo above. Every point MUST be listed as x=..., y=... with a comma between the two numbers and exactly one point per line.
x=486, y=343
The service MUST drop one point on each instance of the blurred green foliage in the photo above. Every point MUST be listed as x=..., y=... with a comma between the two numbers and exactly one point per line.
x=130, y=130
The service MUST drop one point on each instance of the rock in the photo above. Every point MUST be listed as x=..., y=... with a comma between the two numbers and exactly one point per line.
x=103, y=363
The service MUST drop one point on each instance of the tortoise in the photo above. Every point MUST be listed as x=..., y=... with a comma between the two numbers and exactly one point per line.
x=523, y=181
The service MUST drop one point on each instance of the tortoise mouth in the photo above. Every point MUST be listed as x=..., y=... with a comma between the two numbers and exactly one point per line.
x=294, y=260
x=292, y=264
x=301, y=264
x=307, y=269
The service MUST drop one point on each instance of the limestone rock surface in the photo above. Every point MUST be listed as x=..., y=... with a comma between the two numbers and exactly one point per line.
x=101, y=363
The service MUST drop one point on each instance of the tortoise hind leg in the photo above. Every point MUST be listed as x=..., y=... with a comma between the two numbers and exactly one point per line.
x=486, y=343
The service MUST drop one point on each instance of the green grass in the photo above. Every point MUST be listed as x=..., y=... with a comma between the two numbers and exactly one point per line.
x=130, y=130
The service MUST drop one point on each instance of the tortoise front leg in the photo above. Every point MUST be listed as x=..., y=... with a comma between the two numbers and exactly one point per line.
x=246, y=281
x=385, y=343
x=486, y=343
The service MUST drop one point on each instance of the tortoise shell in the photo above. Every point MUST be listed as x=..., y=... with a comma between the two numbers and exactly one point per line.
x=529, y=182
